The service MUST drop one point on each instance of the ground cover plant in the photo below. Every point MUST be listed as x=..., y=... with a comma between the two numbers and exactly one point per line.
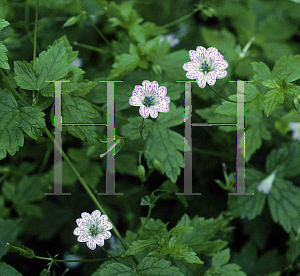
x=163, y=63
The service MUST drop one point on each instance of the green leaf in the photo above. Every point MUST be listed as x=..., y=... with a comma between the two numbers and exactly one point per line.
x=255, y=132
x=9, y=230
x=181, y=251
x=25, y=76
x=215, y=118
x=221, y=258
x=203, y=238
x=172, y=64
x=179, y=229
x=71, y=55
x=223, y=40
x=14, y=120
x=137, y=32
x=286, y=65
x=285, y=160
x=261, y=72
x=147, y=266
x=248, y=206
x=28, y=190
x=3, y=23
x=284, y=204
x=125, y=63
x=77, y=110
x=151, y=29
x=139, y=246
x=3, y=57
x=149, y=46
x=84, y=87
x=50, y=66
x=273, y=98
x=7, y=270
x=219, y=266
x=163, y=143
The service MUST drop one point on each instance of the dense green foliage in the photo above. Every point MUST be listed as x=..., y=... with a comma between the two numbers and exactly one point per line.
x=87, y=41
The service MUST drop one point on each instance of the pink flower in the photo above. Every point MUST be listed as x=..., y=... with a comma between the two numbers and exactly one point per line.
x=150, y=98
x=205, y=66
x=92, y=229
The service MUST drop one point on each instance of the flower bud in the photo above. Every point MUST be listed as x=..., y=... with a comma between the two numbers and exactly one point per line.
x=142, y=173
x=296, y=102
x=74, y=249
x=157, y=165
x=71, y=21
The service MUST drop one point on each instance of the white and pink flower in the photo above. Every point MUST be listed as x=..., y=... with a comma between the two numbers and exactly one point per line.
x=205, y=66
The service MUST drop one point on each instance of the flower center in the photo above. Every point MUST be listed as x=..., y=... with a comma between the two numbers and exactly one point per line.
x=148, y=101
x=94, y=230
x=205, y=67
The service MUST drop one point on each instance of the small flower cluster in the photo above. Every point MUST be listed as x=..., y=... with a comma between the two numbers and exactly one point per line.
x=205, y=66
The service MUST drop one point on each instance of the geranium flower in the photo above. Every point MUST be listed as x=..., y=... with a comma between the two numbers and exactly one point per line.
x=92, y=229
x=206, y=66
x=150, y=98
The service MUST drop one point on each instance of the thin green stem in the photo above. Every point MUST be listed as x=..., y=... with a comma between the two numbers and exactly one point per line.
x=141, y=132
x=86, y=187
x=66, y=261
x=85, y=46
x=147, y=218
x=97, y=30
x=179, y=20
x=35, y=31
x=226, y=99
x=12, y=89
x=35, y=94
x=131, y=134
x=66, y=158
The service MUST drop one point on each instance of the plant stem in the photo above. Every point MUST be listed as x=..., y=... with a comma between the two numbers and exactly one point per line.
x=35, y=31
x=97, y=30
x=142, y=124
x=226, y=99
x=179, y=20
x=66, y=158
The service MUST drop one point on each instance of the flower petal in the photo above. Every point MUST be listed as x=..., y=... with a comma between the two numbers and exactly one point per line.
x=221, y=74
x=221, y=64
x=162, y=91
x=192, y=75
x=139, y=91
x=146, y=85
x=211, y=78
x=201, y=81
x=99, y=240
x=153, y=112
x=82, y=223
x=201, y=50
x=164, y=105
x=194, y=56
x=91, y=244
x=77, y=231
x=83, y=238
x=144, y=111
x=135, y=101
x=191, y=66
x=152, y=88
